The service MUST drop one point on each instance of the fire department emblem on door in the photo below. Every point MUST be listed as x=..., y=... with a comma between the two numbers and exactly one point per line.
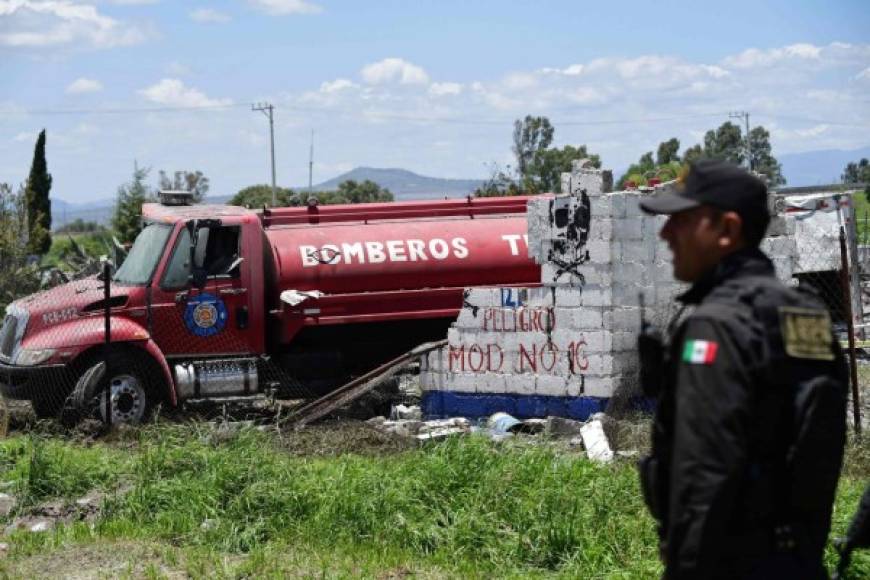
x=205, y=315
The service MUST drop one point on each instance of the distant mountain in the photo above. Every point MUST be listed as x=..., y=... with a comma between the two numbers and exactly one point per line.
x=404, y=184
x=818, y=167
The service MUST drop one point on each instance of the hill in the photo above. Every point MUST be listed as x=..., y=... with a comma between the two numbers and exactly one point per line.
x=404, y=184
x=818, y=167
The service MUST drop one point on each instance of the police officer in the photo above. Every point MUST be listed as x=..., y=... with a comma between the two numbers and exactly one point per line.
x=751, y=411
x=858, y=535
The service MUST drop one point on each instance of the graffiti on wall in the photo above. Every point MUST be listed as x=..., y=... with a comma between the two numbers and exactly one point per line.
x=534, y=355
x=570, y=219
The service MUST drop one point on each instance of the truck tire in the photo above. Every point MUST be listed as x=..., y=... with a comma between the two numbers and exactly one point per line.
x=125, y=393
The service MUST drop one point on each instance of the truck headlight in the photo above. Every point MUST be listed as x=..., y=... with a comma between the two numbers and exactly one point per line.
x=28, y=357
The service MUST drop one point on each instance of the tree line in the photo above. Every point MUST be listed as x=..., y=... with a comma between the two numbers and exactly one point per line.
x=539, y=165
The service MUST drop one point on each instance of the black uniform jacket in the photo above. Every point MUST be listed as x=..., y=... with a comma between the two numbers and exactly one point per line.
x=717, y=480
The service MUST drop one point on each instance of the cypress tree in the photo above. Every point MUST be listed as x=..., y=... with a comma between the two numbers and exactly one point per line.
x=127, y=218
x=38, y=202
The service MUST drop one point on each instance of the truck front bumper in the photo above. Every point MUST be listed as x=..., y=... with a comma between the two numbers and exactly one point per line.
x=28, y=383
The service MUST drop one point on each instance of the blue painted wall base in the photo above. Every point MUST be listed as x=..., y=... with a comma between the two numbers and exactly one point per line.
x=474, y=405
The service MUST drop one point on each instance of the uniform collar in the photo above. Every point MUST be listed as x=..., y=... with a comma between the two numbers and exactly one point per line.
x=745, y=262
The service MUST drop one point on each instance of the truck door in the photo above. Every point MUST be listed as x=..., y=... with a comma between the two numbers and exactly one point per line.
x=213, y=320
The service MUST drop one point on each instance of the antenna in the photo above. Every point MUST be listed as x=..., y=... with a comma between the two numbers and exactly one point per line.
x=745, y=116
x=268, y=110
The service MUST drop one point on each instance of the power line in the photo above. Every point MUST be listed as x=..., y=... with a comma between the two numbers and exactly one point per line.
x=268, y=109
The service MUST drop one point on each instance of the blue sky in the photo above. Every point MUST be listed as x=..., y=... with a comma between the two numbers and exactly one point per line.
x=428, y=86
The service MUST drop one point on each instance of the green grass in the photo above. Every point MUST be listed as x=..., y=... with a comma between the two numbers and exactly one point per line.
x=240, y=505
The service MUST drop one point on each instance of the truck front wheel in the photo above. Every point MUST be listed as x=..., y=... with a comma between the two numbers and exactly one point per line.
x=123, y=388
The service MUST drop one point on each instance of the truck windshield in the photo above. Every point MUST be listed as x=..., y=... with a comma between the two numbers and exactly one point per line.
x=144, y=255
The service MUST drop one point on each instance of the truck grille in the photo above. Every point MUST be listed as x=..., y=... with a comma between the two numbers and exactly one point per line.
x=7, y=336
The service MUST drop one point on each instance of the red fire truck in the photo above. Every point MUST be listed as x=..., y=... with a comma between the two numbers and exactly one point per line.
x=211, y=299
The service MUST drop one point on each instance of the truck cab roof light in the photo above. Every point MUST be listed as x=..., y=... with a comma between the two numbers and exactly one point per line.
x=175, y=197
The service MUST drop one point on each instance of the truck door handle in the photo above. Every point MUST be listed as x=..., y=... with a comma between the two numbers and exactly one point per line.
x=232, y=291
x=181, y=296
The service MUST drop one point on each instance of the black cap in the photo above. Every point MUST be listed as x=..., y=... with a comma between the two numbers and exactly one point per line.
x=718, y=184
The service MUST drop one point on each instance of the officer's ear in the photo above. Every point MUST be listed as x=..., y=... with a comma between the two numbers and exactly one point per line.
x=730, y=231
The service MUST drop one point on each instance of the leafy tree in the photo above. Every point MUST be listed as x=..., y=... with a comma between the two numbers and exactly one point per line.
x=857, y=172
x=693, y=153
x=257, y=196
x=499, y=183
x=548, y=165
x=193, y=181
x=531, y=135
x=725, y=143
x=79, y=226
x=38, y=203
x=127, y=218
x=20, y=276
x=368, y=191
x=668, y=151
x=761, y=159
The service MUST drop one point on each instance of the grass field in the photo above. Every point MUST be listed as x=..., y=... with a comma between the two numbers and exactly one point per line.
x=192, y=500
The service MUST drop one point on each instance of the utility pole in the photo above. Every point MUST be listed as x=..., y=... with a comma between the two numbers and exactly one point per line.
x=745, y=116
x=311, y=162
x=268, y=110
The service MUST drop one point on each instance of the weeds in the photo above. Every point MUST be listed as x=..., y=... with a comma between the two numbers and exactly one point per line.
x=242, y=505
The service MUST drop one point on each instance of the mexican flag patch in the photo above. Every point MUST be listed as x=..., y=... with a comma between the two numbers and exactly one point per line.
x=700, y=352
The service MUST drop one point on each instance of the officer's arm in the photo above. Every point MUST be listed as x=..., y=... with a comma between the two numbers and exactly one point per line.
x=710, y=440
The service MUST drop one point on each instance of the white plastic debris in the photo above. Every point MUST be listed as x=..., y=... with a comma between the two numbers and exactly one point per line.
x=595, y=441
x=295, y=297
x=412, y=412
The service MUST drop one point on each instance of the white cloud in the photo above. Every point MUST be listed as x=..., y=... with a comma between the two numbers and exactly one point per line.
x=444, y=89
x=83, y=85
x=392, y=70
x=864, y=74
x=520, y=81
x=571, y=71
x=337, y=85
x=753, y=57
x=279, y=7
x=208, y=16
x=172, y=92
x=33, y=23
x=812, y=131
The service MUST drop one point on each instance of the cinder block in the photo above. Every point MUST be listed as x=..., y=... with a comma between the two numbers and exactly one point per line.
x=600, y=228
x=551, y=386
x=587, y=318
x=520, y=384
x=628, y=229
x=565, y=182
x=598, y=342
x=483, y=297
x=454, y=336
x=599, y=386
x=569, y=297
x=598, y=274
x=618, y=204
x=628, y=272
x=600, y=207
x=552, y=275
x=624, y=341
x=597, y=296
x=633, y=251
x=599, y=251
x=575, y=386
x=600, y=364
x=469, y=318
x=626, y=363
x=632, y=209
x=622, y=320
x=461, y=382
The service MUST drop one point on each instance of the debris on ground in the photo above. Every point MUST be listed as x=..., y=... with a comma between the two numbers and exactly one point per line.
x=595, y=441
x=7, y=504
x=400, y=411
x=46, y=516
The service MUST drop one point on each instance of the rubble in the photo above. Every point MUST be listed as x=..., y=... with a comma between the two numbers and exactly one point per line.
x=412, y=412
x=595, y=441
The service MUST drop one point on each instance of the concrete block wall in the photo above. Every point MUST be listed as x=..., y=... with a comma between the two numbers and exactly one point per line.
x=567, y=347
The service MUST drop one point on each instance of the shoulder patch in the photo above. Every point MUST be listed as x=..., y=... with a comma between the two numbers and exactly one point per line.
x=806, y=332
x=700, y=352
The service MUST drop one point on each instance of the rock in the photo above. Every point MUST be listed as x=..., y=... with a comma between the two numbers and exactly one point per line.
x=30, y=524
x=379, y=420
x=4, y=549
x=7, y=504
x=561, y=427
x=595, y=441
x=403, y=428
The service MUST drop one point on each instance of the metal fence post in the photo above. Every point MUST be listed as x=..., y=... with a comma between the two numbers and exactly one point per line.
x=853, y=364
x=107, y=313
